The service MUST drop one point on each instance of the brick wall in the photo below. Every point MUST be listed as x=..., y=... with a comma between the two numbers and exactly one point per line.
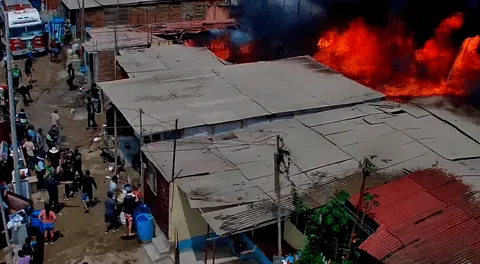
x=150, y=14
x=105, y=62
x=52, y=4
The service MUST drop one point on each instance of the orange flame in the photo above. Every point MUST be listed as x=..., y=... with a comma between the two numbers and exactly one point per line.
x=225, y=50
x=220, y=47
x=189, y=43
x=385, y=58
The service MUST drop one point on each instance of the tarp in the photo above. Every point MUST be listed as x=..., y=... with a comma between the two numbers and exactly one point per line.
x=17, y=202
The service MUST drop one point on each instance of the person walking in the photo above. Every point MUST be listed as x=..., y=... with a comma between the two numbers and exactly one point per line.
x=111, y=220
x=52, y=188
x=22, y=116
x=68, y=176
x=29, y=149
x=129, y=206
x=77, y=162
x=24, y=91
x=71, y=76
x=88, y=183
x=40, y=172
x=90, y=114
x=16, y=76
x=29, y=68
x=55, y=119
x=40, y=141
x=48, y=218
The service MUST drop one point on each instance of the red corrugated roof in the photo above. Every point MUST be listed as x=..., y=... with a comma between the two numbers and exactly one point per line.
x=381, y=243
x=426, y=217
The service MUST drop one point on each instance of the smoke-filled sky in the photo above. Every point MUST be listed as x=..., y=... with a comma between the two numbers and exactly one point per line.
x=294, y=20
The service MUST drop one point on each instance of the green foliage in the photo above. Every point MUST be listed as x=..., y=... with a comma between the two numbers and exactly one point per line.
x=326, y=231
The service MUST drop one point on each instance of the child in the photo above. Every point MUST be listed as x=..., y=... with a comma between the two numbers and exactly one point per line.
x=48, y=217
x=111, y=220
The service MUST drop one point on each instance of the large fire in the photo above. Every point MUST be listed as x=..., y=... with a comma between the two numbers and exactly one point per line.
x=386, y=59
x=224, y=49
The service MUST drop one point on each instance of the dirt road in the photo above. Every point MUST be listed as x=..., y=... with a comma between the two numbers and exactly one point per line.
x=82, y=235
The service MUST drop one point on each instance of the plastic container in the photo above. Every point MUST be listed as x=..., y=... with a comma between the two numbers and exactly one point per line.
x=141, y=209
x=36, y=221
x=145, y=227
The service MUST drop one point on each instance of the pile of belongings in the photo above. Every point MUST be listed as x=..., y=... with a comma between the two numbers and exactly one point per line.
x=17, y=219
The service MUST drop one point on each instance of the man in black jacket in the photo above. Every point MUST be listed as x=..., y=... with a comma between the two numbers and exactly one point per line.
x=90, y=114
x=88, y=183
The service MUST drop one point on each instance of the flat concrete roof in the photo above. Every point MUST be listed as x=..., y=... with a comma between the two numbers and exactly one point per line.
x=214, y=95
x=236, y=168
x=104, y=39
x=174, y=58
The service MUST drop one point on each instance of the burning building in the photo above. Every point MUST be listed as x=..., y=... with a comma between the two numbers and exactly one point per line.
x=391, y=56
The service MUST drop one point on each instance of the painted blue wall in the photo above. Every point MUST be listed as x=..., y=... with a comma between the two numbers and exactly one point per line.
x=198, y=244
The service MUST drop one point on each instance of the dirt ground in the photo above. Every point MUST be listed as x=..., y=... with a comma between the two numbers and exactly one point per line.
x=82, y=235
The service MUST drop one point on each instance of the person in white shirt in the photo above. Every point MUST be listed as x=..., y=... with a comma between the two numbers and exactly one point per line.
x=29, y=147
x=55, y=118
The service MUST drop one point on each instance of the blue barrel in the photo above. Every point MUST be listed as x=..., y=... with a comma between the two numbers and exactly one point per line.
x=35, y=221
x=145, y=227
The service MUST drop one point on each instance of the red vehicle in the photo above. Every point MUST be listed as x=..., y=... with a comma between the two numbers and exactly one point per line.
x=27, y=30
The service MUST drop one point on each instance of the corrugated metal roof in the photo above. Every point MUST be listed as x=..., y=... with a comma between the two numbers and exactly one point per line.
x=421, y=212
x=382, y=241
x=318, y=145
x=207, y=95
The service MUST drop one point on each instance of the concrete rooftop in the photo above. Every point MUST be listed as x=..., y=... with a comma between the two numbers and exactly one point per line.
x=219, y=94
x=235, y=169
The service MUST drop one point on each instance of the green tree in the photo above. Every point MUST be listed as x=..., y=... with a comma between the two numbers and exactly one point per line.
x=327, y=230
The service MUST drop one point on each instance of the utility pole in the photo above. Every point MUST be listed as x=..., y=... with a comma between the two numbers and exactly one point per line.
x=173, y=163
x=116, y=42
x=11, y=101
x=276, y=159
x=115, y=136
x=7, y=237
x=82, y=37
x=141, y=154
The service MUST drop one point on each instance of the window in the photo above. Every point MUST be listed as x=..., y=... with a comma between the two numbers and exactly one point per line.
x=152, y=177
x=35, y=30
x=17, y=32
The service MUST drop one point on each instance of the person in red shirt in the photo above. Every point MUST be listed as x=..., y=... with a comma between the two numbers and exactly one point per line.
x=48, y=217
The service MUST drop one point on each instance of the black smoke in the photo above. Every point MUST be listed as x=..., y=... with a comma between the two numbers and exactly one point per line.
x=289, y=27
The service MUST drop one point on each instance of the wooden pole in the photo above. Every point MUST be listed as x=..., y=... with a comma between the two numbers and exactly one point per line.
x=206, y=244
x=358, y=208
x=278, y=188
x=116, y=41
x=82, y=37
x=213, y=250
x=115, y=137
x=141, y=154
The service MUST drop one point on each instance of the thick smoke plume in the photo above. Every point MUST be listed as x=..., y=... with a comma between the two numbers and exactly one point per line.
x=399, y=47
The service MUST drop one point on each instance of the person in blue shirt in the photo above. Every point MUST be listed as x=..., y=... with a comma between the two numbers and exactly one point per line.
x=32, y=133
